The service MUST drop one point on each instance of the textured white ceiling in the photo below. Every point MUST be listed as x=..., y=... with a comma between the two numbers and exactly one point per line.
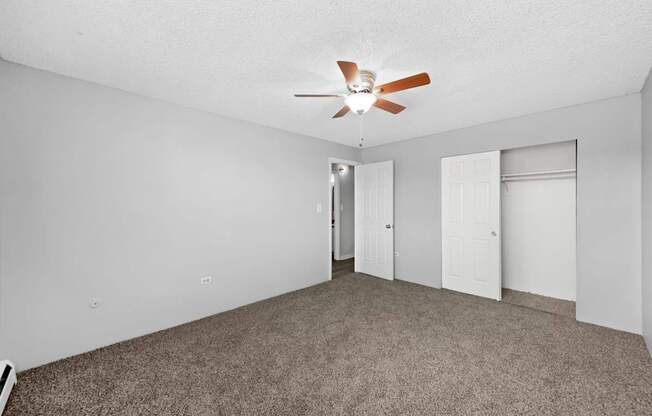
x=488, y=60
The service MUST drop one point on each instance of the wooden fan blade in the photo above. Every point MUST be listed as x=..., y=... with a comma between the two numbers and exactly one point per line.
x=316, y=95
x=342, y=112
x=349, y=69
x=389, y=106
x=404, y=84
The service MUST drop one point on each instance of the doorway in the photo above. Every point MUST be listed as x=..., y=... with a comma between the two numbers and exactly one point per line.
x=509, y=226
x=538, y=212
x=342, y=208
x=368, y=218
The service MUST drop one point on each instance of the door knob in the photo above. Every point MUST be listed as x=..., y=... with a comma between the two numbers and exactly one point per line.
x=388, y=226
x=494, y=233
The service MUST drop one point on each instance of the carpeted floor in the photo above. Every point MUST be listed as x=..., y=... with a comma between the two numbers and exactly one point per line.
x=541, y=303
x=355, y=345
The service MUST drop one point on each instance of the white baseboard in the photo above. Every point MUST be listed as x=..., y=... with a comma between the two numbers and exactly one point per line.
x=345, y=256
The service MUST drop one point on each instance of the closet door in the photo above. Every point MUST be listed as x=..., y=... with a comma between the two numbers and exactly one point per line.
x=470, y=208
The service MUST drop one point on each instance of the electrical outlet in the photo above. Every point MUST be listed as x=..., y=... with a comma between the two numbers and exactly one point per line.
x=94, y=303
x=206, y=280
x=318, y=209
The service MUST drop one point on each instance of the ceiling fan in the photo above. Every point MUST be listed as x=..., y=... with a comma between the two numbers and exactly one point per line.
x=364, y=94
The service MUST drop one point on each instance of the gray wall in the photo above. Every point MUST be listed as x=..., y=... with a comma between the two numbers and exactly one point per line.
x=647, y=211
x=111, y=195
x=608, y=192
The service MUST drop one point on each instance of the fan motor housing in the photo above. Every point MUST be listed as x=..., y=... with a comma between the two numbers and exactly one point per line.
x=365, y=83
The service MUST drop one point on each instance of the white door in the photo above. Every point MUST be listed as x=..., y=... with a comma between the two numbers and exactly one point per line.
x=470, y=208
x=374, y=219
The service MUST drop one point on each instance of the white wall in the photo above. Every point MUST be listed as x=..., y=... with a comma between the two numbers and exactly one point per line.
x=335, y=198
x=111, y=195
x=608, y=198
x=551, y=156
x=538, y=221
x=538, y=239
x=647, y=211
x=346, y=216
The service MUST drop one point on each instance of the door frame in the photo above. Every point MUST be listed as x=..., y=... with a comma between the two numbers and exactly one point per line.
x=331, y=161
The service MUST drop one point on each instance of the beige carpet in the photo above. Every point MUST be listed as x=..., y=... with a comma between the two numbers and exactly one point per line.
x=355, y=345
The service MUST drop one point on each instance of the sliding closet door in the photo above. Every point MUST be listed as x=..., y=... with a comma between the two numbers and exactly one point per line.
x=470, y=207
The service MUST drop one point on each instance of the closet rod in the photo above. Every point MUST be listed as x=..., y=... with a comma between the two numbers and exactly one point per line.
x=538, y=178
x=539, y=173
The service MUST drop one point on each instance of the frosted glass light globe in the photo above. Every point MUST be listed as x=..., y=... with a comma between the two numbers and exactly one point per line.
x=360, y=102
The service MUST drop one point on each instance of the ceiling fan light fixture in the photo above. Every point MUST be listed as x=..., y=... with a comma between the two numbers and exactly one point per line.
x=360, y=102
x=364, y=93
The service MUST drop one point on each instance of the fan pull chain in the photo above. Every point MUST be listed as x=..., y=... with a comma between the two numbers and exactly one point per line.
x=360, y=132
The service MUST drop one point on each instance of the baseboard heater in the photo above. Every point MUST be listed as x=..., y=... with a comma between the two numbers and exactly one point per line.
x=7, y=382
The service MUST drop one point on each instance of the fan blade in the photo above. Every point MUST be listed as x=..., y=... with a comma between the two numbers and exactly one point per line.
x=316, y=95
x=389, y=106
x=350, y=70
x=404, y=84
x=342, y=112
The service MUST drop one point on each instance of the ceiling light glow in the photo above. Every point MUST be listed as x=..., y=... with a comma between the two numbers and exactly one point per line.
x=360, y=102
